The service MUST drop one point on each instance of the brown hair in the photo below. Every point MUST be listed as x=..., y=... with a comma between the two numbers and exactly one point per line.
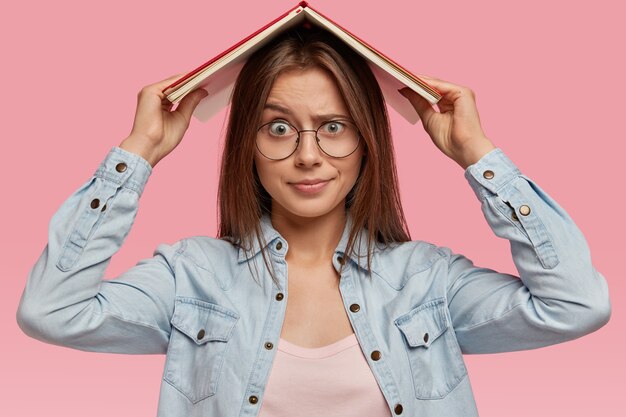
x=374, y=201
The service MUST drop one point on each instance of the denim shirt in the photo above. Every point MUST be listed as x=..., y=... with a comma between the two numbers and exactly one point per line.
x=415, y=310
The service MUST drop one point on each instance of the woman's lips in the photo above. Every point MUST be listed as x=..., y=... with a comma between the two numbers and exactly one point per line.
x=310, y=188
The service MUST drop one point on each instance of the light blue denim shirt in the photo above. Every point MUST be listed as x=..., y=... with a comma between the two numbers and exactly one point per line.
x=414, y=316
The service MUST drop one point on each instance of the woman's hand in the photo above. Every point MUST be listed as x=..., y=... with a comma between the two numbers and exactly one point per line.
x=157, y=130
x=455, y=129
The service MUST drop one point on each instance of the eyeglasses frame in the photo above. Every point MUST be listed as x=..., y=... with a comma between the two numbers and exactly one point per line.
x=317, y=139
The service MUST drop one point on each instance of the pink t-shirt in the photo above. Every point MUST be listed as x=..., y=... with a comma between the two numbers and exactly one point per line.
x=332, y=380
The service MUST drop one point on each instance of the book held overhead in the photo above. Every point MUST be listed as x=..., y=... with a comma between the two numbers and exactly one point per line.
x=218, y=75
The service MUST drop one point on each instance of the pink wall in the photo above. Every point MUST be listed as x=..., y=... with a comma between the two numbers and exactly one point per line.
x=550, y=90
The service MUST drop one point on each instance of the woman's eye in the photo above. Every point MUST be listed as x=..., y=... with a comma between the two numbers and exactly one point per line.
x=279, y=128
x=333, y=128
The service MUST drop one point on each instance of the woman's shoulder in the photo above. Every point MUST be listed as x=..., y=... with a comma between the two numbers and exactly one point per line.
x=415, y=255
x=208, y=252
x=399, y=262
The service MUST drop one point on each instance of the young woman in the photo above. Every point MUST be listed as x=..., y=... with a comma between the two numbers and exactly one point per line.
x=313, y=300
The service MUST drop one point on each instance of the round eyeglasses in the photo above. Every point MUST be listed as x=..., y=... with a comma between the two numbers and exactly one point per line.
x=278, y=139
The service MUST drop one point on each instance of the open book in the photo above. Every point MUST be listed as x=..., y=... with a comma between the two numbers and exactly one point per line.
x=219, y=74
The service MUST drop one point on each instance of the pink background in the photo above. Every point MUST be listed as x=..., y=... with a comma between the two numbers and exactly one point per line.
x=71, y=71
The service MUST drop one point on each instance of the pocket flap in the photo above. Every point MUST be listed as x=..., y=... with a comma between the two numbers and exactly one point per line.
x=424, y=324
x=203, y=321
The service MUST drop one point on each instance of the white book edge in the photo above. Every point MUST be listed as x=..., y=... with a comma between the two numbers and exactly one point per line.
x=242, y=51
x=219, y=77
x=369, y=55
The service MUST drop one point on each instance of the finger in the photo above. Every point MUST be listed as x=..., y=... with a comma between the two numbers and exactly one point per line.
x=151, y=102
x=188, y=104
x=166, y=105
x=421, y=105
x=441, y=85
x=169, y=80
x=428, y=78
x=158, y=87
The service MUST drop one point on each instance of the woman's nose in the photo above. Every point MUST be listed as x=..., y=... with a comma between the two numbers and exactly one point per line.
x=308, y=152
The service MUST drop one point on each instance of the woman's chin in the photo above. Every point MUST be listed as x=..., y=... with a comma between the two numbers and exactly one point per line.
x=309, y=210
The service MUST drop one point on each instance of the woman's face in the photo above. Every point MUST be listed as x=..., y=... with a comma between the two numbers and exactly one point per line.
x=305, y=99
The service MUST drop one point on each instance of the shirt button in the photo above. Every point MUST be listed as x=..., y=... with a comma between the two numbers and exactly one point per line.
x=201, y=334
x=355, y=307
x=340, y=260
x=425, y=337
x=269, y=345
x=376, y=355
x=95, y=203
x=121, y=167
x=398, y=409
x=524, y=210
x=104, y=207
x=488, y=174
x=279, y=296
x=279, y=245
x=253, y=399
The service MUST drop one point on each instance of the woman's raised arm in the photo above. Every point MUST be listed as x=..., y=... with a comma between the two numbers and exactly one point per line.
x=559, y=295
x=66, y=300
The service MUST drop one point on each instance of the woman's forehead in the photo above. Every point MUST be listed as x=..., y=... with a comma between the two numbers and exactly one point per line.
x=312, y=91
x=272, y=107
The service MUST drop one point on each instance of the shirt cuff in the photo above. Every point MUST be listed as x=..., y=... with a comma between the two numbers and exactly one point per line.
x=126, y=169
x=491, y=173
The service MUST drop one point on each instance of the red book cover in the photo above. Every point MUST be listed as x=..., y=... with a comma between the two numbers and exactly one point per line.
x=223, y=69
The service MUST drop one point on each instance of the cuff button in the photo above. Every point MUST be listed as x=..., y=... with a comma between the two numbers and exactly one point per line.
x=488, y=175
x=121, y=167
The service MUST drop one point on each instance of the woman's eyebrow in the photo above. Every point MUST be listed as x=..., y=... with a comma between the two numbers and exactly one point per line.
x=278, y=108
x=284, y=110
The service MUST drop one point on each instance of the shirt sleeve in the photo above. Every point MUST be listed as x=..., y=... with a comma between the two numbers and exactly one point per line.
x=67, y=302
x=558, y=296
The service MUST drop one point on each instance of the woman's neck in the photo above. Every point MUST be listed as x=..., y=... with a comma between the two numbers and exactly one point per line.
x=312, y=240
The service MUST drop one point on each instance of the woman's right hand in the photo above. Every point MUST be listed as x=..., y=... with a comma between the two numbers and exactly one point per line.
x=157, y=130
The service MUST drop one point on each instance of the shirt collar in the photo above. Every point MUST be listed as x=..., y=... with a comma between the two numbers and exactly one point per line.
x=359, y=249
x=267, y=231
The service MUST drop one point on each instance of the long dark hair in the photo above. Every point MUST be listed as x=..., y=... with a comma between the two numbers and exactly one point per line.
x=374, y=202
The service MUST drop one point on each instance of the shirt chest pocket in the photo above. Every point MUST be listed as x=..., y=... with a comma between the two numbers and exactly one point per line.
x=198, y=343
x=434, y=354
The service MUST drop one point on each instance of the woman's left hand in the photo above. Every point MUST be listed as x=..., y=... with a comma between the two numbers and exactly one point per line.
x=455, y=129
